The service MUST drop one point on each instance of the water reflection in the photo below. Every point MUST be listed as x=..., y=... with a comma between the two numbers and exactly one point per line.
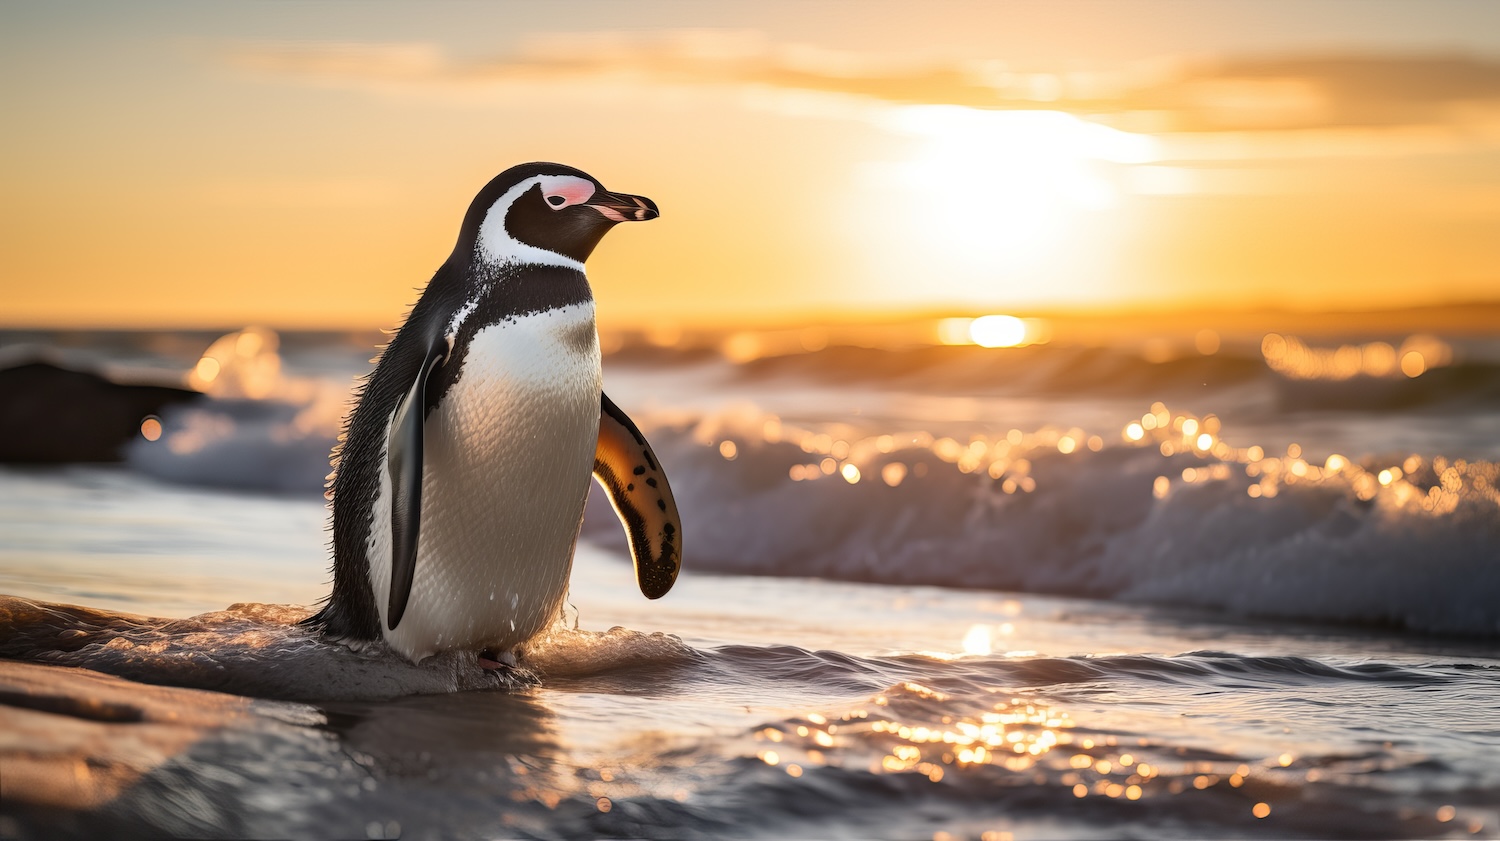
x=494, y=746
x=840, y=451
x=1290, y=357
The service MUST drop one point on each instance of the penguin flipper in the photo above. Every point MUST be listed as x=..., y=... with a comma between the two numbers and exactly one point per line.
x=627, y=469
x=404, y=456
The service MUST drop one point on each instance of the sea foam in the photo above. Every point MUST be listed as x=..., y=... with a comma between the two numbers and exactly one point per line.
x=260, y=651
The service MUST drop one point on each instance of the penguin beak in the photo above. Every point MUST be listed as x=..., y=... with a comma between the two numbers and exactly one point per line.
x=623, y=207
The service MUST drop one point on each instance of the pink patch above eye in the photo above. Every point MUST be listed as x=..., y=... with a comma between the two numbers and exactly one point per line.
x=572, y=190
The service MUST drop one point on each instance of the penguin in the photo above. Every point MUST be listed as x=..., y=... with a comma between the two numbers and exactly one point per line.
x=459, y=482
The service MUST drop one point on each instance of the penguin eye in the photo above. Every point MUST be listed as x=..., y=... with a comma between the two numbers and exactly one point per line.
x=562, y=191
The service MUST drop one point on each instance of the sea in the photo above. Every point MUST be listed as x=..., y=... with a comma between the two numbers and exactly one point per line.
x=1204, y=584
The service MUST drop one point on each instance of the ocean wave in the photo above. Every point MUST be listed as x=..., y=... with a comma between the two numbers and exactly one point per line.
x=1400, y=541
x=1100, y=372
x=265, y=445
x=1043, y=370
x=1171, y=515
x=945, y=677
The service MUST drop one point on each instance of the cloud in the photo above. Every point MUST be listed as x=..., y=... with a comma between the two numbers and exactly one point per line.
x=1333, y=91
x=343, y=64
x=686, y=57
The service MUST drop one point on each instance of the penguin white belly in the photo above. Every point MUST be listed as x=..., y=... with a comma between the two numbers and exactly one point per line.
x=508, y=458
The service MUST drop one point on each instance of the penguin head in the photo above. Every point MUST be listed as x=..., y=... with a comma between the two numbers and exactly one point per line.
x=546, y=213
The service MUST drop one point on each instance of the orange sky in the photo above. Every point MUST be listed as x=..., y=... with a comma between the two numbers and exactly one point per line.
x=178, y=164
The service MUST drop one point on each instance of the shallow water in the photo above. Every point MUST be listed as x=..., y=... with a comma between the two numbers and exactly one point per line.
x=1107, y=656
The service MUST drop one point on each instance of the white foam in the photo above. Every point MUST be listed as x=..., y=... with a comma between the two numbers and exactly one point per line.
x=1408, y=556
x=571, y=652
x=258, y=650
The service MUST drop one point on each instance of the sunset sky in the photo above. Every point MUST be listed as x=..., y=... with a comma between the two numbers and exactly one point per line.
x=307, y=164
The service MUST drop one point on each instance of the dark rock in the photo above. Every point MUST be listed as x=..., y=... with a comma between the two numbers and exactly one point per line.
x=55, y=415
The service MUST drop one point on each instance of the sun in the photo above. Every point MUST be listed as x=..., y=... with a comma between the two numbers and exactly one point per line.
x=994, y=331
x=998, y=331
x=996, y=190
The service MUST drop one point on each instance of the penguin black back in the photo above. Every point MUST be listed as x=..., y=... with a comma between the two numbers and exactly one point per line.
x=349, y=612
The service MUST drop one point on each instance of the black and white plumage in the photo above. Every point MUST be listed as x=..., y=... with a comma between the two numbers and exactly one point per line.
x=459, y=487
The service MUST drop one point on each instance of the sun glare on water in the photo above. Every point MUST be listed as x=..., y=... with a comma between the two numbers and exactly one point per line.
x=993, y=331
x=977, y=641
x=997, y=331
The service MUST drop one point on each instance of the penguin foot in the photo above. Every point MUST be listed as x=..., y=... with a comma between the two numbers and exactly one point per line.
x=490, y=661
